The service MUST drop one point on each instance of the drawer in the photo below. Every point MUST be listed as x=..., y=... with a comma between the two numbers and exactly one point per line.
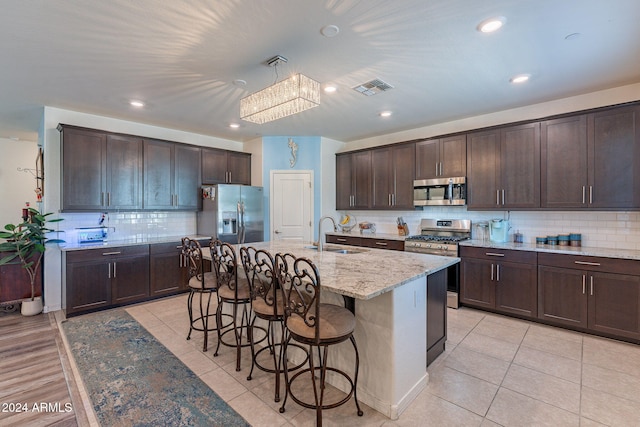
x=394, y=245
x=105, y=253
x=590, y=263
x=163, y=248
x=505, y=255
x=344, y=240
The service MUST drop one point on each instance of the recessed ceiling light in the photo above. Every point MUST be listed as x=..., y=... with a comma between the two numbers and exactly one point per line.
x=330, y=88
x=136, y=103
x=385, y=113
x=520, y=78
x=234, y=125
x=492, y=24
x=330, y=30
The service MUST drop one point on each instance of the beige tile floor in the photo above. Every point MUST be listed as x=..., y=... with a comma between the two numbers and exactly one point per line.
x=495, y=371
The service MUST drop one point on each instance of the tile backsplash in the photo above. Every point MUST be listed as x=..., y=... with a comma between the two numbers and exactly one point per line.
x=127, y=225
x=619, y=230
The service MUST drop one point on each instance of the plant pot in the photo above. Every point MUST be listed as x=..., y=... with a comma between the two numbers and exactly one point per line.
x=31, y=308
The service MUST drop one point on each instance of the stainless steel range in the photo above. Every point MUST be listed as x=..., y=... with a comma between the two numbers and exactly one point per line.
x=441, y=237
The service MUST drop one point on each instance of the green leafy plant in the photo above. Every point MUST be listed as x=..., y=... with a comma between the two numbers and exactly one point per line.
x=26, y=243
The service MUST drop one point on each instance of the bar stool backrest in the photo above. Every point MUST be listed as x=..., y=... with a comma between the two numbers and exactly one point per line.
x=258, y=265
x=192, y=255
x=225, y=265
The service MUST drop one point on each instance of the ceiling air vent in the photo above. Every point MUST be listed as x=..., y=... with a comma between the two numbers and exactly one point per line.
x=373, y=87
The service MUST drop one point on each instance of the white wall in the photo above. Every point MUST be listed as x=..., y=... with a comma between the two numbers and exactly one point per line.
x=147, y=223
x=328, y=149
x=16, y=187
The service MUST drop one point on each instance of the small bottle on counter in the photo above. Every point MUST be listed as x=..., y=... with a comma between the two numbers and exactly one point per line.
x=575, y=239
x=518, y=237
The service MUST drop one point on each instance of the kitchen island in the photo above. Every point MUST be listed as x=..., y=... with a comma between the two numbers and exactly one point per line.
x=388, y=292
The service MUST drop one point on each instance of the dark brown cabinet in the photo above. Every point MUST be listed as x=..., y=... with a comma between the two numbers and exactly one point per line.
x=592, y=160
x=582, y=292
x=171, y=176
x=225, y=167
x=392, y=174
x=441, y=158
x=504, y=168
x=367, y=242
x=100, y=171
x=99, y=278
x=500, y=280
x=168, y=271
x=353, y=180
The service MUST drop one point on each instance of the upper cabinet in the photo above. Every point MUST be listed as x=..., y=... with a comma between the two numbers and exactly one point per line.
x=171, y=176
x=504, y=168
x=592, y=160
x=100, y=171
x=225, y=167
x=392, y=177
x=353, y=180
x=441, y=158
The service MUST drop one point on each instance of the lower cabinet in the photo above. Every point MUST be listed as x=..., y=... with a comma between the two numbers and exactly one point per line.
x=367, y=242
x=168, y=271
x=582, y=292
x=100, y=278
x=436, y=314
x=501, y=280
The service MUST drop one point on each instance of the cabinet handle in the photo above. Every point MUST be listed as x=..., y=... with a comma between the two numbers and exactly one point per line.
x=584, y=284
x=114, y=270
x=230, y=177
x=493, y=254
x=497, y=272
x=583, y=194
x=102, y=198
x=503, y=196
x=587, y=263
x=492, y=272
x=394, y=199
x=109, y=273
x=591, y=285
x=590, y=194
x=111, y=253
x=340, y=239
x=497, y=197
x=382, y=244
x=389, y=200
x=436, y=168
x=440, y=168
x=109, y=198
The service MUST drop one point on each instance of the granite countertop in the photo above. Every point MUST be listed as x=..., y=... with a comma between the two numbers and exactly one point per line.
x=386, y=236
x=131, y=241
x=556, y=249
x=363, y=275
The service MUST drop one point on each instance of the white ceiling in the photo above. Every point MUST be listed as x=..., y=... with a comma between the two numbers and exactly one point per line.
x=181, y=58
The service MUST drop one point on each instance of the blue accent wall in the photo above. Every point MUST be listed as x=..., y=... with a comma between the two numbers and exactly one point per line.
x=276, y=155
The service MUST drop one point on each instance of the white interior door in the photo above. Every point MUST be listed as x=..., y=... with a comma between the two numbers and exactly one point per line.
x=291, y=205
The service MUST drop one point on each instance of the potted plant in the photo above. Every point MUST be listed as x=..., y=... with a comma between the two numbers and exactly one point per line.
x=26, y=244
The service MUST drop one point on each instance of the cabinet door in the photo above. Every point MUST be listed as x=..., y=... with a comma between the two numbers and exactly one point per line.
x=381, y=178
x=562, y=297
x=483, y=170
x=520, y=166
x=614, y=158
x=436, y=314
x=130, y=278
x=344, y=191
x=614, y=304
x=88, y=285
x=239, y=166
x=124, y=173
x=453, y=156
x=564, y=162
x=84, y=165
x=428, y=159
x=403, y=167
x=517, y=288
x=361, y=180
x=167, y=273
x=187, y=177
x=158, y=175
x=214, y=166
x=477, y=285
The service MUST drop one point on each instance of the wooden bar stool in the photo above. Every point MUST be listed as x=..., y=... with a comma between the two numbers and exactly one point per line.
x=315, y=324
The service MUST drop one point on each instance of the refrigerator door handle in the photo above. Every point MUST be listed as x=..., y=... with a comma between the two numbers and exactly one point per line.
x=240, y=222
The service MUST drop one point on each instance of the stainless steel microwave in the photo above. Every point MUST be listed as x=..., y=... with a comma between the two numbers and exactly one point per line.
x=440, y=191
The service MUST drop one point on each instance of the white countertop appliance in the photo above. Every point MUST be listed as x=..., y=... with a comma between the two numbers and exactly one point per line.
x=499, y=230
x=441, y=237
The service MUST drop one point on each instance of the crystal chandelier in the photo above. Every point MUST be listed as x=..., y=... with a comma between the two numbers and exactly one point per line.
x=284, y=98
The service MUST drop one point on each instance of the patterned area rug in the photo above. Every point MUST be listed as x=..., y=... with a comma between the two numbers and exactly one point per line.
x=132, y=379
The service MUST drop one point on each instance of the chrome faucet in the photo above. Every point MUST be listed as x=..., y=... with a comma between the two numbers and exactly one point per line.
x=335, y=228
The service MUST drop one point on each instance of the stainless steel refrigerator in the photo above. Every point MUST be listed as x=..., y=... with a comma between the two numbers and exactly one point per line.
x=232, y=213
